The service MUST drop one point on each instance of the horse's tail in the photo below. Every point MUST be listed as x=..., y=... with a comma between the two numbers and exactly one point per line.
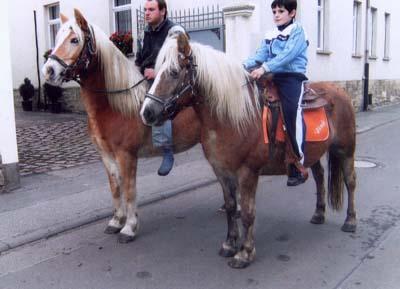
x=335, y=181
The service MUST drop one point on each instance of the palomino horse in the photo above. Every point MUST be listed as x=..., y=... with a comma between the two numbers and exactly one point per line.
x=232, y=137
x=84, y=53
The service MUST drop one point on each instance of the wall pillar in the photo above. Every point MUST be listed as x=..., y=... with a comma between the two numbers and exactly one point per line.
x=238, y=30
x=9, y=175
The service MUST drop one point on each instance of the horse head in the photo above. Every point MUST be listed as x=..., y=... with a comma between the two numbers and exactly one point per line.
x=74, y=49
x=174, y=86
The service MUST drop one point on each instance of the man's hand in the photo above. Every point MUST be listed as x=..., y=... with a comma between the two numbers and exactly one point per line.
x=257, y=73
x=149, y=73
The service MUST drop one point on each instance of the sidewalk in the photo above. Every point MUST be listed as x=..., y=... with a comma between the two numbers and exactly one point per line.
x=60, y=200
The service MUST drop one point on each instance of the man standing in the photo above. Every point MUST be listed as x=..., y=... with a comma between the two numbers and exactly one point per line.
x=158, y=26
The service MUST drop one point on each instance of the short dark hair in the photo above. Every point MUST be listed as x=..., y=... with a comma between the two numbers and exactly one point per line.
x=162, y=4
x=289, y=5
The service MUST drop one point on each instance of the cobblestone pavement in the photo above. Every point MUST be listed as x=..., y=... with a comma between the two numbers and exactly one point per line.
x=52, y=142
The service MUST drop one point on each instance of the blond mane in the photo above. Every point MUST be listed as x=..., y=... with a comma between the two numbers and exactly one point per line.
x=223, y=81
x=119, y=74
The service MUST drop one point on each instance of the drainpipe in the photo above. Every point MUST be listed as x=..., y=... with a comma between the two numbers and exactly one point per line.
x=366, y=59
x=39, y=103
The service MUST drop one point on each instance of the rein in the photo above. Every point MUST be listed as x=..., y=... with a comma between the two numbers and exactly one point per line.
x=71, y=71
x=110, y=91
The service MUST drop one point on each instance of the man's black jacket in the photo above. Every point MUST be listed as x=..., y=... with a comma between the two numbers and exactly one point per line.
x=152, y=43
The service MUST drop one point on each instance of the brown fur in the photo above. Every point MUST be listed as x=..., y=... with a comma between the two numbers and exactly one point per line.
x=121, y=139
x=240, y=159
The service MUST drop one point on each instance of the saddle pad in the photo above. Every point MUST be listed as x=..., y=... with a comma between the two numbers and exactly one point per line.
x=316, y=124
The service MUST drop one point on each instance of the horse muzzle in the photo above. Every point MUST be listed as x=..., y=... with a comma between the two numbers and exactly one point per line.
x=53, y=72
x=151, y=113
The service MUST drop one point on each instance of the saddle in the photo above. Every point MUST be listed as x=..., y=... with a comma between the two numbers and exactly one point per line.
x=314, y=115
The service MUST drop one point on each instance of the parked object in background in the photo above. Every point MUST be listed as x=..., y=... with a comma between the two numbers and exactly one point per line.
x=53, y=95
x=26, y=90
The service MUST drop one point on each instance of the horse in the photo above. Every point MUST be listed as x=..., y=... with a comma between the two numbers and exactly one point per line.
x=227, y=104
x=84, y=53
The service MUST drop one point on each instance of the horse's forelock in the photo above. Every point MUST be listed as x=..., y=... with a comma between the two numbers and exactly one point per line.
x=168, y=56
x=65, y=30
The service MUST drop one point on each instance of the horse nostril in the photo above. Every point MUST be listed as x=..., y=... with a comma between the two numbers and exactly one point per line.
x=149, y=115
x=50, y=71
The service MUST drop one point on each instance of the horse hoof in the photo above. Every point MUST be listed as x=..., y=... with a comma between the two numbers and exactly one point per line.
x=318, y=219
x=112, y=230
x=124, y=239
x=238, y=263
x=349, y=228
x=227, y=252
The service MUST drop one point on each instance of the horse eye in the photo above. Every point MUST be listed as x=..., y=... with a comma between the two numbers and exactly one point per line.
x=75, y=40
x=174, y=73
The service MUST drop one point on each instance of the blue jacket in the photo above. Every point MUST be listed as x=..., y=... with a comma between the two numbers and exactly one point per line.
x=282, y=51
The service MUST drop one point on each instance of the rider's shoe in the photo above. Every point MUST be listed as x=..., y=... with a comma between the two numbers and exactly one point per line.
x=167, y=162
x=296, y=177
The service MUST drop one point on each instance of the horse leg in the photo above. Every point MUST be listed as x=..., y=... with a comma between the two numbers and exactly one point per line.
x=128, y=166
x=318, y=173
x=229, y=185
x=349, y=173
x=118, y=220
x=248, y=180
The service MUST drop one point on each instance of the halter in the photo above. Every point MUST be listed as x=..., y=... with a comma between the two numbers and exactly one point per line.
x=170, y=106
x=73, y=71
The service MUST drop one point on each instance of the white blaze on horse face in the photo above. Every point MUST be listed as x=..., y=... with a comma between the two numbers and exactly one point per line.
x=65, y=50
x=149, y=102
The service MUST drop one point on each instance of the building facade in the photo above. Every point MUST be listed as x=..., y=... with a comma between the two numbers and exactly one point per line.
x=343, y=35
x=9, y=177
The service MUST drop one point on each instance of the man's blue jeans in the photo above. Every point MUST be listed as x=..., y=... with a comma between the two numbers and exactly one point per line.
x=162, y=135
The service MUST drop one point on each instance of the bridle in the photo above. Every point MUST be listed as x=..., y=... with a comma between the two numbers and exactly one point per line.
x=170, y=106
x=74, y=71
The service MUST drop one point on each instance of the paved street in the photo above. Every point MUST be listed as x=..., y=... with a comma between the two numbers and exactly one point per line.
x=49, y=142
x=52, y=230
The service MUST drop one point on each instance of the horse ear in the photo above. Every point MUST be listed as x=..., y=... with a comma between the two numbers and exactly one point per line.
x=80, y=20
x=183, y=44
x=63, y=18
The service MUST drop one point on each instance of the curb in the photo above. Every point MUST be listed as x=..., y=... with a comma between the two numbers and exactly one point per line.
x=100, y=215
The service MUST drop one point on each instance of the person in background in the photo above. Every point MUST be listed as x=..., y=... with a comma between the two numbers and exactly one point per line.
x=159, y=27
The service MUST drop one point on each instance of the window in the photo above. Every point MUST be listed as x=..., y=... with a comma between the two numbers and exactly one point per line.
x=356, y=28
x=122, y=15
x=54, y=23
x=372, y=32
x=386, y=55
x=322, y=24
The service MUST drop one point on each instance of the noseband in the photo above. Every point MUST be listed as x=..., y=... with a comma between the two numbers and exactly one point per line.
x=74, y=71
x=170, y=106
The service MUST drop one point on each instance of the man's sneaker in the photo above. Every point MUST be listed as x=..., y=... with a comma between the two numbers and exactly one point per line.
x=296, y=177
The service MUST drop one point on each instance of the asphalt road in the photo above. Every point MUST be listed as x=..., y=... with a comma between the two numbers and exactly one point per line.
x=179, y=239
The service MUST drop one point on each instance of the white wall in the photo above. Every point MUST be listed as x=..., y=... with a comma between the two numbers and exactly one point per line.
x=339, y=65
x=8, y=139
x=23, y=33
